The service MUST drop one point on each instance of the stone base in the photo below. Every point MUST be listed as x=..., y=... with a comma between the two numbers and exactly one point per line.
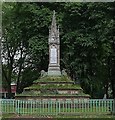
x=51, y=97
x=54, y=71
x=53, y=87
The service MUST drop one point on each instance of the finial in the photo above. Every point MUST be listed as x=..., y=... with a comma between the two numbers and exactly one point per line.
x=53, y=12
x=54, y=19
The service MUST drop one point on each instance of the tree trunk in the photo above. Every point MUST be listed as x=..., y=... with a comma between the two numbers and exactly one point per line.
x=113, y=70
x=9, y=92
x=21, y=60
x=113, y=79
x=106, y=90
x=18, y=79
x=10, y=68
x=9, y=80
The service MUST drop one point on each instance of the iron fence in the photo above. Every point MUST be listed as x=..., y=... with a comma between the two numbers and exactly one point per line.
x=59, y=107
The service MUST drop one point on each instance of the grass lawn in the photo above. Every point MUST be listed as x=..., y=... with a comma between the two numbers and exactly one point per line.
x=53, y=111
x=81, y=116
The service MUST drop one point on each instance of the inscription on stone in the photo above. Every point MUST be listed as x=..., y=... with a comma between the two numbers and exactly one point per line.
x=53, y=55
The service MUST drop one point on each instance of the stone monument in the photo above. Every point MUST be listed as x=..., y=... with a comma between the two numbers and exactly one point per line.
x=54, y=49
x=54, y=84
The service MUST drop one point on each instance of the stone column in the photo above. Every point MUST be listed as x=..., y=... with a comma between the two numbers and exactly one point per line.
x=54, y=50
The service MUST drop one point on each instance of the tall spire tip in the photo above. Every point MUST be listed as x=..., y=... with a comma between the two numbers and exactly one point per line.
x=54, y=12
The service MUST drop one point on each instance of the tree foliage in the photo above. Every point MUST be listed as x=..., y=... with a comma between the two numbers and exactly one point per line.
x=87, y=43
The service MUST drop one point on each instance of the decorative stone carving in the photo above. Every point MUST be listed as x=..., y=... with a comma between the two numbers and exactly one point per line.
x=64, y=73
x=43, y=73
x=54, y=49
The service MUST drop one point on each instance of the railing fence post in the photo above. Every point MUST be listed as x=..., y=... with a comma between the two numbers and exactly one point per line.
x=113, y=107
x=56, y=107
x=59, y=106
x=1, y=107
x=17, y=106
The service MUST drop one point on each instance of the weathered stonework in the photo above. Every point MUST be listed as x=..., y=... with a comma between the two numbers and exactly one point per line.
x=54, y=84
x=54, y=49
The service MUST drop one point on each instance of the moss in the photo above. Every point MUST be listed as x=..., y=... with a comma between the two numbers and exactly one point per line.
x=51, y=89
x=54, y=86
x=39, y=95
x=54, y=79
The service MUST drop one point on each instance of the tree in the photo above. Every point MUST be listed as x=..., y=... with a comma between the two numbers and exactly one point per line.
x=87, y=43
x=90, y=49
x=22, y=28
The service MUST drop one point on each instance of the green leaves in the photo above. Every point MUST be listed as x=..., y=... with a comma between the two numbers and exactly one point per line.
x=86, y=36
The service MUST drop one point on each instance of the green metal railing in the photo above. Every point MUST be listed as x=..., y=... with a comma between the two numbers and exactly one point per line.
x=50, y=107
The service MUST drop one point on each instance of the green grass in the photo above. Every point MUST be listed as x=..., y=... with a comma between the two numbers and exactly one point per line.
x=24, y=111
x=8, y=115
x=35, y=88
x=55, y=86
x=60, y=117
x=48, y=89
x=54, y=79
x=37, y=109
x=65, y=110
x=56, y=95
x=53, y=109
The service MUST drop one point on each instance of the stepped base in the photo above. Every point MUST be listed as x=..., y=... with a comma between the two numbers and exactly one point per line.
x=53, y=88
x=46, y=97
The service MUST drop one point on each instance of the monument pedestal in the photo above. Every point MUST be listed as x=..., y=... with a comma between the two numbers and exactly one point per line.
x=53, y=85
x=54, y=70
x=53, y=88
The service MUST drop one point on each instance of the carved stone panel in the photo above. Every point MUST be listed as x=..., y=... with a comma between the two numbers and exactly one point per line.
x=53, y=55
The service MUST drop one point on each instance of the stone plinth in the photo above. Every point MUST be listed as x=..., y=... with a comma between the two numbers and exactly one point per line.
x=53, y=84
x=53, y=88
x=54, y=71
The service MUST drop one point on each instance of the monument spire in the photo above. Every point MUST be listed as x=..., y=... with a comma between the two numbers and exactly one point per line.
x=53, y=32
x=54, y=49
x=54, y=21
